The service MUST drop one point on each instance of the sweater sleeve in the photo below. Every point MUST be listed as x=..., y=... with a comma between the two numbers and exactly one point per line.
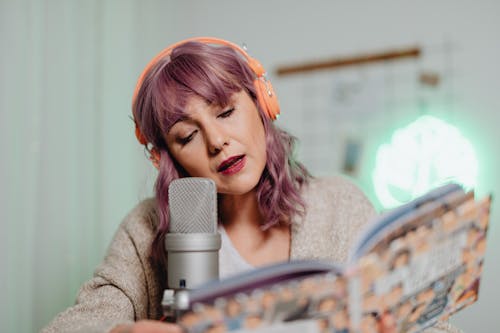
x=118, y=292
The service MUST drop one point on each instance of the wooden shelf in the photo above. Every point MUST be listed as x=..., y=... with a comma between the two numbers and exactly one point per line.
x=334, y=63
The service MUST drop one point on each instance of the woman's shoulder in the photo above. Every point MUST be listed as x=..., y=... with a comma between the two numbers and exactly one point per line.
x=336, y=211
x=334, y=188
x=141, y=222
x=143, y=206
x=337, y=194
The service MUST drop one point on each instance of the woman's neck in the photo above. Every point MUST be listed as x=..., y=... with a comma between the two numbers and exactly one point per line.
x=235, y=210
x=242, y=220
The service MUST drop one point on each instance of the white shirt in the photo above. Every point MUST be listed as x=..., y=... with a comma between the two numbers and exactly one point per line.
x=230, y=261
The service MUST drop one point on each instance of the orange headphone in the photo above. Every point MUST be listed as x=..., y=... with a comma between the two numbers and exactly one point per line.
x=265, y=93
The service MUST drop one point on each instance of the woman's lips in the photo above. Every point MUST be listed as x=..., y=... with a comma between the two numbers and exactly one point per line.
x=232, y=165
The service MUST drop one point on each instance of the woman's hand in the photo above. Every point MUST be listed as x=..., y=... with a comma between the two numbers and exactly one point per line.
x=148, y=326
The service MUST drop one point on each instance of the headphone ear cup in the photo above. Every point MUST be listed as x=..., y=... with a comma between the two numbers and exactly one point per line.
x=140, y=137
x=267, y=97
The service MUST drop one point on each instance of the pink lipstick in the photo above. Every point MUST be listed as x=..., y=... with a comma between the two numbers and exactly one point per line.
x=232, y=165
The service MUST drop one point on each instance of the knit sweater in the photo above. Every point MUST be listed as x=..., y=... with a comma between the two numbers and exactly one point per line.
x=127, y=286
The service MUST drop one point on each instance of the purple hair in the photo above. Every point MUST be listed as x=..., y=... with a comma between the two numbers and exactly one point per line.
x=213, y=73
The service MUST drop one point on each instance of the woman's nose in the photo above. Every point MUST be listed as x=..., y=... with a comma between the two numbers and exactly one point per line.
x=217, y=138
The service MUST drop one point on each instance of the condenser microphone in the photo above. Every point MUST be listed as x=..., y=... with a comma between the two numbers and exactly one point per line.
x=193, y=242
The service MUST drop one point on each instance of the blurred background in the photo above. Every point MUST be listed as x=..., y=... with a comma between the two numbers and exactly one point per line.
x=71, y=168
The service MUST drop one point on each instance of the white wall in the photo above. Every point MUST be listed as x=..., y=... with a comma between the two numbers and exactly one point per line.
x=71, y=168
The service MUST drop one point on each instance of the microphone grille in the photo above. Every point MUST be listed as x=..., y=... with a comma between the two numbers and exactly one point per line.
x=192, y=205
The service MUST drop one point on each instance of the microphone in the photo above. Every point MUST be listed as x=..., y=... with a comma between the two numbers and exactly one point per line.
x=193, y=242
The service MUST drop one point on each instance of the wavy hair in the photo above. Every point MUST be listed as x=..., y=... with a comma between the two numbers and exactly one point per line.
x=213, y=73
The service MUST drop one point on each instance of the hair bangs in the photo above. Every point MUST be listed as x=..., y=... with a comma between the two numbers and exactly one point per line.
x=168, y=101
x=191, y=75
x=211, y=81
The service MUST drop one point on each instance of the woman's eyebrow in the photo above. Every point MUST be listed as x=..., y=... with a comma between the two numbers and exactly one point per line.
x=181, y=118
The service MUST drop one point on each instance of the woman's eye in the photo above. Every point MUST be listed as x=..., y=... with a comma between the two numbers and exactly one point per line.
x=186, y=139
x=227, y=113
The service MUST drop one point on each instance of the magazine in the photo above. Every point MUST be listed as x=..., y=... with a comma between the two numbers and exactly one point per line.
x=411, y=267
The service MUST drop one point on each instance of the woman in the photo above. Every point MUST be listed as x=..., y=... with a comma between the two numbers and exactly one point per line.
x=203, y=108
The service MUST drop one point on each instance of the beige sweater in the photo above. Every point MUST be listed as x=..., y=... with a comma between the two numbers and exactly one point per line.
x=126, y=287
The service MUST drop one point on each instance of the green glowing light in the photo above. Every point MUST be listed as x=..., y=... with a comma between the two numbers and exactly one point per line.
x=421, y=156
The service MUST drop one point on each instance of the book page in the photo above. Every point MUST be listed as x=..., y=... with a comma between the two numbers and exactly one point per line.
x=320, y=299
x=427, y=272
x=392, y=221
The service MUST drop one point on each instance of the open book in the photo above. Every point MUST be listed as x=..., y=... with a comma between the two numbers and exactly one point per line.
x=411, y=267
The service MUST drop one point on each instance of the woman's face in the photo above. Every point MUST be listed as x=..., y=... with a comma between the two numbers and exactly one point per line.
x=227, y=145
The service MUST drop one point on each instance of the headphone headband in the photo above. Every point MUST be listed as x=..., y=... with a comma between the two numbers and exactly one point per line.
x=253, y=63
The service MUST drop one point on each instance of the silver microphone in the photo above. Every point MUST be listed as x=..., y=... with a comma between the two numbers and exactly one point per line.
x=193, y=242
